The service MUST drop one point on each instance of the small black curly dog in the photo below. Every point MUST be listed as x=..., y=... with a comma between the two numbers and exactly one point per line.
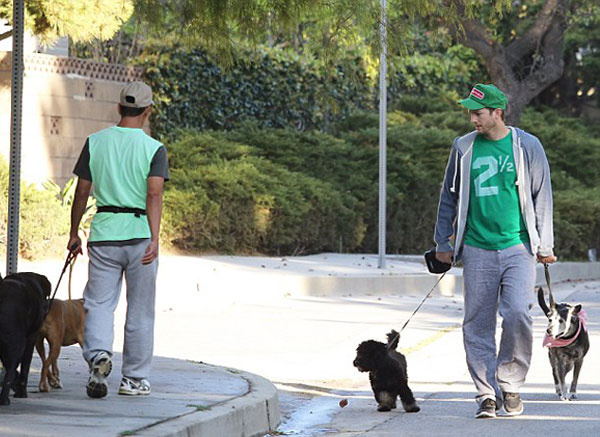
x=387, y=373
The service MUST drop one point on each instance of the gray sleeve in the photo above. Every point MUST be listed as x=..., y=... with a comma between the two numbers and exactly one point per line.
x=444, y=226
x=541, y=194
x=160, y=164
x=82, y=168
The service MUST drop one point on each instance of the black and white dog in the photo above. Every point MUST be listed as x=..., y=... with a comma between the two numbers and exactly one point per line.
x=567, y=341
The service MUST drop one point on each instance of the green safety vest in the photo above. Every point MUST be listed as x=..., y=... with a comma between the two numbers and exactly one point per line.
x=120, y=160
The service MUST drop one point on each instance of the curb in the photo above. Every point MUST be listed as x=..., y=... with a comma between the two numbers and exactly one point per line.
x=255, y=283
x=252, y=414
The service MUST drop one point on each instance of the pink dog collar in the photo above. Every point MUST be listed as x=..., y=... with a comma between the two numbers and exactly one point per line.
x=560, y=342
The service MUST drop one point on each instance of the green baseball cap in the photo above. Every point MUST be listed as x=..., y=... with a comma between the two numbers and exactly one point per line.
x=485, y=96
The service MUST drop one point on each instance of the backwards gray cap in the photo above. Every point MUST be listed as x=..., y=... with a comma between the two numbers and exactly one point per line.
x=136, y=95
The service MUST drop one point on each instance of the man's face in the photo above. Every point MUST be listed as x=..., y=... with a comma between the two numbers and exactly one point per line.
x=484, y=119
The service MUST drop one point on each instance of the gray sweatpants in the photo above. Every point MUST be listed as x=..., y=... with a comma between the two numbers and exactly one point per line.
x=504, y=280
x=108, y=265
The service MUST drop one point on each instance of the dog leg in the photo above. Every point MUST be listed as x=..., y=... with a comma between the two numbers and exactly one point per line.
x=52, y=360
x=576, y=371
x=21, y=383
x=10, y=368
x=39, y=346
x=556, y=381
x=56, y=374
x=562, y=375
x=385, y=400
x=407, y=398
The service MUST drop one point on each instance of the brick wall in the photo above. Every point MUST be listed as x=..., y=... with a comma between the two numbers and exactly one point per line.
x=64, y=101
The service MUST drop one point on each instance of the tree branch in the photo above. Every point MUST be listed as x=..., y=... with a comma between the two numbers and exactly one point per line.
x=548, y=17
x=6, y=34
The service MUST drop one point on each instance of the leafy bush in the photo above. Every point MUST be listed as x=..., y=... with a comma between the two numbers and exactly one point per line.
x=572, y=146
x=577, y=222
x=44, y=221
x=225, y=197
x=274, y=88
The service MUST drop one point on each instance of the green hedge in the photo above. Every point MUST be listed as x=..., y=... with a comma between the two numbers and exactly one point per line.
x=224, y=197
x=280, y=191
x=272, y=88
x=43, y=223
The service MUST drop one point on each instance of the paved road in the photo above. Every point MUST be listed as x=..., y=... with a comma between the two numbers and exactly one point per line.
x=441, y=383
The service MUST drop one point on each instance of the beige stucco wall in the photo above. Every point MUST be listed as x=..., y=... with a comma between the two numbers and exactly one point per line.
x=64, y=101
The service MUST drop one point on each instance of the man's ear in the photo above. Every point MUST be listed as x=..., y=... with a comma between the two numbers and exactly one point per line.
x=119, y=109
x=146, y=112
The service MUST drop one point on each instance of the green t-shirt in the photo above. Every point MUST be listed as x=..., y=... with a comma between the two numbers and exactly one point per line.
x=494, y=220
x=120, y=160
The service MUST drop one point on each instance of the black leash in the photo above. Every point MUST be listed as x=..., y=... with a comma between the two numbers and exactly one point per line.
x=393, y=340
x=70, y=260
x=547, y=273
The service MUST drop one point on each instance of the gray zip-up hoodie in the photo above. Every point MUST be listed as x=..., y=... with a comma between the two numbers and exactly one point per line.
x=533, y=184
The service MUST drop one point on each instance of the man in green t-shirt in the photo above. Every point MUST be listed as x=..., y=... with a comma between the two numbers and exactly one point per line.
x=127, y=169
x=496, y=204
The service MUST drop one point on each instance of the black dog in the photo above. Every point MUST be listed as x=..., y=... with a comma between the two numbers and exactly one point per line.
x=23, y=304
x=387, y=373
x=567, y=341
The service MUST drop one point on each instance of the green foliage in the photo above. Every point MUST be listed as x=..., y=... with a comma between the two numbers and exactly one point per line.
x=280, y=191
x=572, y=147
x=66, y=195
x=274, y=88
x=324, y=28
x=224, y=197
x=576, y=222
x=81, y=20
x=434, y=70
x=43, y=222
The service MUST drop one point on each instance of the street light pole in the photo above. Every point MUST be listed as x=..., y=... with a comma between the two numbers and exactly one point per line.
x=14, y=181
x=382, y=133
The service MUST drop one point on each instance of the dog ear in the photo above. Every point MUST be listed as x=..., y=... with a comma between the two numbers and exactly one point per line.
x=577, y=308
x=542, y=301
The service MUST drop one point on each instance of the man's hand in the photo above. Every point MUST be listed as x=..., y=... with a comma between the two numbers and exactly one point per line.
x=546, y=259
x=445, y=257
x=74, y=245
x=151, y=252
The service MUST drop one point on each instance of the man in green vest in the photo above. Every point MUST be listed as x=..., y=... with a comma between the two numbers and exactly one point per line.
x=127, y=169
x=495, y=213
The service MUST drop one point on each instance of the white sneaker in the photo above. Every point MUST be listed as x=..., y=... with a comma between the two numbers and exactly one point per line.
x=134, y=387
x=99, y=370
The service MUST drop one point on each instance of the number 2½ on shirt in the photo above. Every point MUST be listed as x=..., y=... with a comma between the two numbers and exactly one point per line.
x=494, y=166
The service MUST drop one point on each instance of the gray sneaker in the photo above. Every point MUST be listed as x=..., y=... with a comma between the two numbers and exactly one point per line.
x=134, y=387
x=513, y=406
x=100, y=368
x=487, y=409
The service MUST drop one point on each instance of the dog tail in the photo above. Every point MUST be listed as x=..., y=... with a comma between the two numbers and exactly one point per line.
x=393, y=339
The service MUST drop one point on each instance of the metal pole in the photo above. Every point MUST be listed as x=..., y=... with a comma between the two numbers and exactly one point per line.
x=382, y=133
x=14, y=181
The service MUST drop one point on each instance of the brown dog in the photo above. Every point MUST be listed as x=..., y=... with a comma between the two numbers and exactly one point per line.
x=63, y=327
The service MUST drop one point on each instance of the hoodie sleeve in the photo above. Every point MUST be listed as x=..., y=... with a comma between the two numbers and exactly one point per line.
x=446, y=215
x=541, y=194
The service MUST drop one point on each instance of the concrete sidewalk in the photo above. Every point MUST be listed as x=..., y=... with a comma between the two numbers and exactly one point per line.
x=188, y=398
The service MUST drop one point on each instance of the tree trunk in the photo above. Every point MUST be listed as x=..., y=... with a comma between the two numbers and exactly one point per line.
x=530, y=63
